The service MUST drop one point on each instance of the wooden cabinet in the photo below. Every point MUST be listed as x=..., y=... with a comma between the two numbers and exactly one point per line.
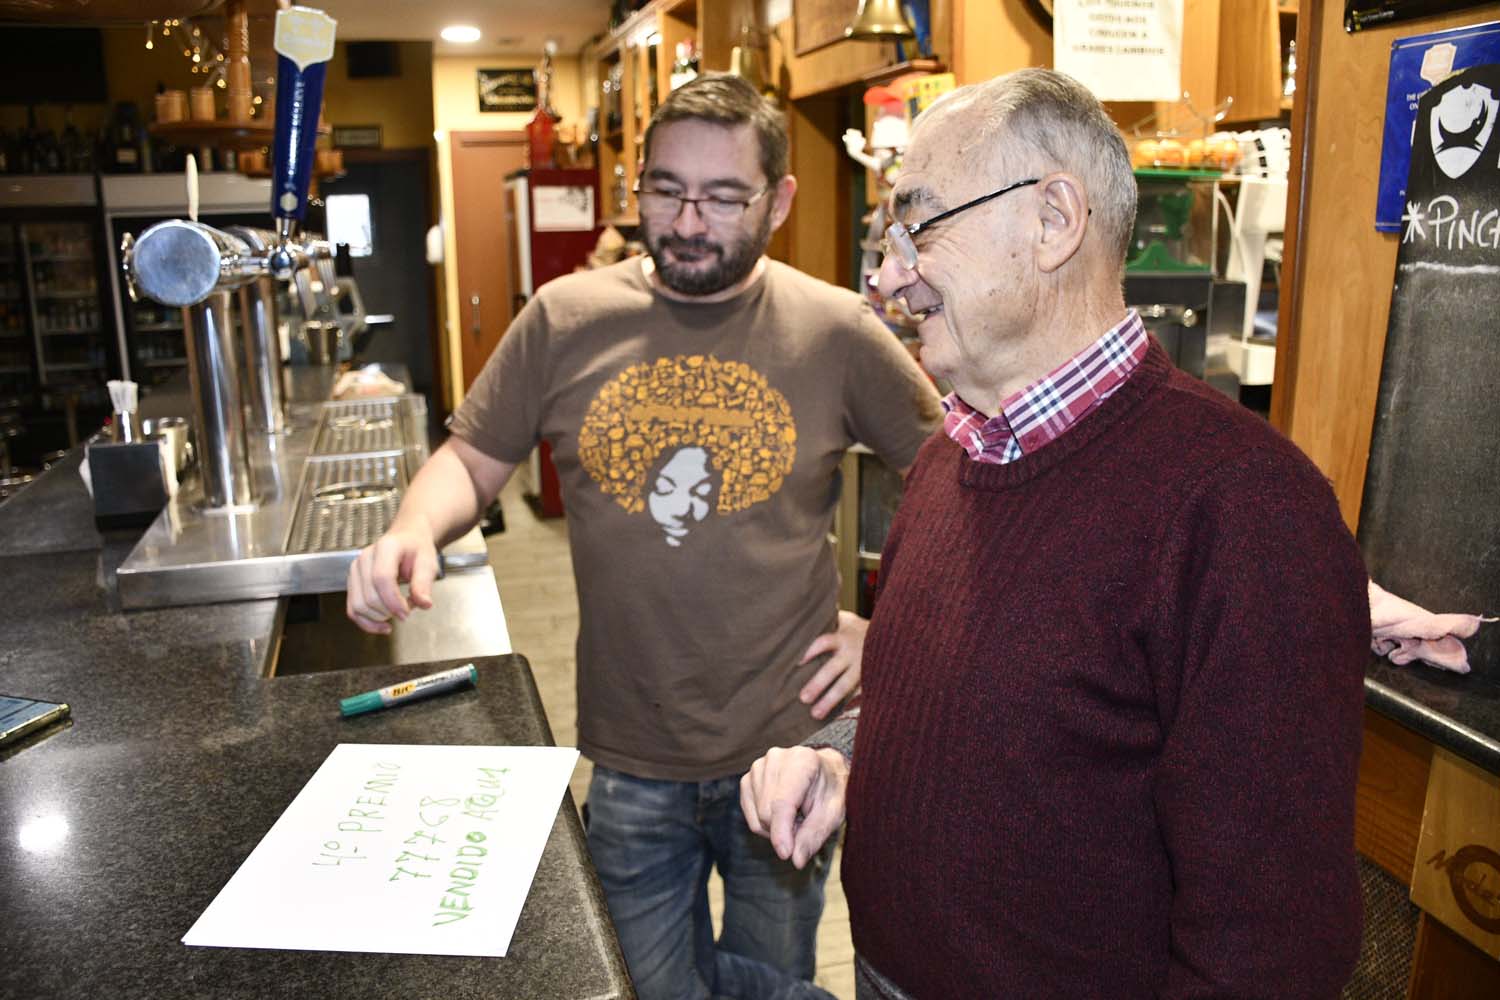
x=625, y=75
x=1391, y=802
x=1253, y=37
x=1230, y=48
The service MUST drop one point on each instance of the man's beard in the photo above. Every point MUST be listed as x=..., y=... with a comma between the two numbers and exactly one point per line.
x=727, y=264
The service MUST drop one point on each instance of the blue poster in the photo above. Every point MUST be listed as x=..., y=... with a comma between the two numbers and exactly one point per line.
x=1418, y=64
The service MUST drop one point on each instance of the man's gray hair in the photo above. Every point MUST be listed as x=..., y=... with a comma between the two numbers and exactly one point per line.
x=1044, y=121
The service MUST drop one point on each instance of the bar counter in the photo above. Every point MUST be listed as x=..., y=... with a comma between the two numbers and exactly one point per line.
x=121, y=825
x=1458, y=712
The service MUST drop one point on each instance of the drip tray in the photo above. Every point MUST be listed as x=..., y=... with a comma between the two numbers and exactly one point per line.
x=347, y=501
x=324, y=491
x=362, y=426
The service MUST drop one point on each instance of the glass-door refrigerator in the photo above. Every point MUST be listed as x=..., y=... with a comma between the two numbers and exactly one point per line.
x=56, y=338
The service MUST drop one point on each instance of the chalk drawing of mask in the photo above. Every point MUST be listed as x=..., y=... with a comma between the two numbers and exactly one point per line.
x=1461, y=127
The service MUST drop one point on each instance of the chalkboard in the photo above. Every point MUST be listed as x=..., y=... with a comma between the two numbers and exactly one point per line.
x=1430, y=523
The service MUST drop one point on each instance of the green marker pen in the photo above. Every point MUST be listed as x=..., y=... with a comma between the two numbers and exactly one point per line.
x=400, y=694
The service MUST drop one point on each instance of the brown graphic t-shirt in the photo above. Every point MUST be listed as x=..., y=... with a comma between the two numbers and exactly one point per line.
x=698, y=446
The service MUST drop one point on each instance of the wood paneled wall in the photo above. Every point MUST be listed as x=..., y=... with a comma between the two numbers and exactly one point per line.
x=1392, y=793
x=996, y=37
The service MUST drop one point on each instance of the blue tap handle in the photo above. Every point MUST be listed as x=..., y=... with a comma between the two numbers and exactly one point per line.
x=299, y=97
x=304, y=44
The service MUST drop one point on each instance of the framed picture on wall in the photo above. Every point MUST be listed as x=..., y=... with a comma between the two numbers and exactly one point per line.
x=506, y=89
x=356, y=137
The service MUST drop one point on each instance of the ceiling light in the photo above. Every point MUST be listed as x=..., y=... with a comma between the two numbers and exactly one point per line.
x=462, y=33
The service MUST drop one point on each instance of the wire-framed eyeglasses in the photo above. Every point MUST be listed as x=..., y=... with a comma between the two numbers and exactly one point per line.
x=666, y=206
x=898, y=236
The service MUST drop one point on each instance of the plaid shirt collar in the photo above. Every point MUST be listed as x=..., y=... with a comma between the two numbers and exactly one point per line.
x=1044, y=410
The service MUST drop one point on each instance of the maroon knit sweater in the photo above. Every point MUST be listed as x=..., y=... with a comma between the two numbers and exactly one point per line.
x=1111, y=716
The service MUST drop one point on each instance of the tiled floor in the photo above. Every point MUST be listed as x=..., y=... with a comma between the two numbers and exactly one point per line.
x=535, y=576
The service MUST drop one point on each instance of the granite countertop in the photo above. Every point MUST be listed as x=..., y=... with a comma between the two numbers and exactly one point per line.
x=121, y=825
x=1458, y=712
x=52, y=514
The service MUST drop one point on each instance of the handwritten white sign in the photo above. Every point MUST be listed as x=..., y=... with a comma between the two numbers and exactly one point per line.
x=420, y=850
x=1122, y=50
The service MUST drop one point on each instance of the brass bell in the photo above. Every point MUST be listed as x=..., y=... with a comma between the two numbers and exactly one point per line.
x=879, y=21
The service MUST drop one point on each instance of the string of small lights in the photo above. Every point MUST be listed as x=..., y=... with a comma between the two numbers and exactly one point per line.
x=197, y=47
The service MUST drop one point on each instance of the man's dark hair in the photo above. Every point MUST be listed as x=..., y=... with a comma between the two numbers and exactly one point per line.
x=729, y=101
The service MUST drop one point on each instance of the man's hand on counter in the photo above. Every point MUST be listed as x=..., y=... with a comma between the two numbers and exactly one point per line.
x=374, y=594
x=443, y=501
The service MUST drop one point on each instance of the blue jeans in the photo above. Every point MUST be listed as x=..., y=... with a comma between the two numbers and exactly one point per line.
x=654, y=844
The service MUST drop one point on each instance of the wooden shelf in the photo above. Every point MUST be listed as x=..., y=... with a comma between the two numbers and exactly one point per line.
x=888, y=73
x=625, y=221
x=683, y=10
x=856, y=78
x=242, y=136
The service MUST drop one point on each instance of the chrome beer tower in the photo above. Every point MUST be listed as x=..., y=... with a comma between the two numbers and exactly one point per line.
x=281, y=506
x=208, y=271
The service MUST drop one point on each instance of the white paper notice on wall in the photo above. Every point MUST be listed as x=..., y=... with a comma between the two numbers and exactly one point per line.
x=1122, y=50
x=563, y=209
x=418, y=850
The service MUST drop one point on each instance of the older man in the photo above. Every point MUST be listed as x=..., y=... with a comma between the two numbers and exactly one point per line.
x=698, y=402
x=1110, y=726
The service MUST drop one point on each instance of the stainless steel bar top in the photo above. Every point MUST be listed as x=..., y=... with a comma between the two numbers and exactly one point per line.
x=323, y=489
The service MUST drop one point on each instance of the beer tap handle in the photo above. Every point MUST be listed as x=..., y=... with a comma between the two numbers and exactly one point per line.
x=190, y=169
x=304, y=45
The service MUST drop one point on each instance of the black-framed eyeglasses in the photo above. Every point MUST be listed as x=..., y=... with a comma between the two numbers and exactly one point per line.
x=665, y=206
x=898, y=236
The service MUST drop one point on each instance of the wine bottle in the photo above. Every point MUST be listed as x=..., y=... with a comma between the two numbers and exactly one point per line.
x=124, y=143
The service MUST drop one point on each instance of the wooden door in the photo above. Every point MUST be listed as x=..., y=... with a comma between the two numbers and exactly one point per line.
x=481, y=162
